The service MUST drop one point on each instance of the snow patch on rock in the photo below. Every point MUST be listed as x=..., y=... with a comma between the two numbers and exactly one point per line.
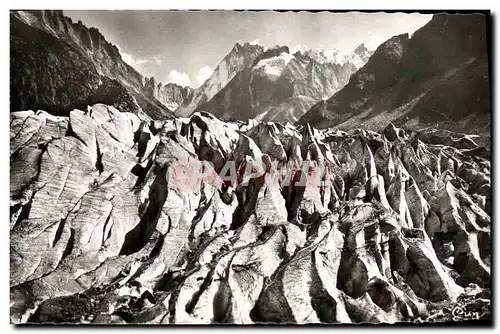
x=272, y=67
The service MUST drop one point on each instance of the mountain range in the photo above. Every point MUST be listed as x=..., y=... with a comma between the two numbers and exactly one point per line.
x=81, y=68
x=272, y=84
x=437, y=78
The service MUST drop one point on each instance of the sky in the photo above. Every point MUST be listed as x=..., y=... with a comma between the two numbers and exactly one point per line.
x=186, y=46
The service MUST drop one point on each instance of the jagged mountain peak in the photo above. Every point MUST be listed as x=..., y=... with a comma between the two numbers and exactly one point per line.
x=361, y=48
x=363, y=52
x=176, y=85
x=78, y=66
x=281, y=85
x=241, y=56
x=333, y=55
x=56, y=23
x=245, y=47
x=278, y=47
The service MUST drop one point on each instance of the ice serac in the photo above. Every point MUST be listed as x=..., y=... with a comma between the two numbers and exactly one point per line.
x=281, y=85
x=438, y=78
x=108, y=224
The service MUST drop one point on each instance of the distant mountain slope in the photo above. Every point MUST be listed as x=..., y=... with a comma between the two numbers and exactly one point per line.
x=170, y=94
x=281, y=86
x=438, y=78
x=56, y=65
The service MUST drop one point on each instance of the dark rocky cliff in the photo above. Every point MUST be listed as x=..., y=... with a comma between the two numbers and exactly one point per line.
x=56, y=65
x=438, y=78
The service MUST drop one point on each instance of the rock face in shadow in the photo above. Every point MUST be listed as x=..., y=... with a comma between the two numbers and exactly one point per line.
x=107, y=224
x=437, y=78
x=170, y=94
x=57, y=65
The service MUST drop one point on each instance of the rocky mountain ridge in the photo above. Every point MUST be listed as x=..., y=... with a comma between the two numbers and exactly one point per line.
x=399, y=229
x=245, y=56
x=281, y=86
x=358, y=57
x=437, y=78
x=57, y=64
x=362, y=52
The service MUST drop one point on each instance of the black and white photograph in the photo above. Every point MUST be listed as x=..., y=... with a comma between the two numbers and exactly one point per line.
x=250, y=167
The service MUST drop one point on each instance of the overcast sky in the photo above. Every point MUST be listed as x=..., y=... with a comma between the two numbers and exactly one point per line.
x=184, y=47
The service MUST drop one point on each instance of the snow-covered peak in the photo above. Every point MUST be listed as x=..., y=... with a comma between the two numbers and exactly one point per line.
x=337, y=56
x=333, y=56
x=318, y=56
